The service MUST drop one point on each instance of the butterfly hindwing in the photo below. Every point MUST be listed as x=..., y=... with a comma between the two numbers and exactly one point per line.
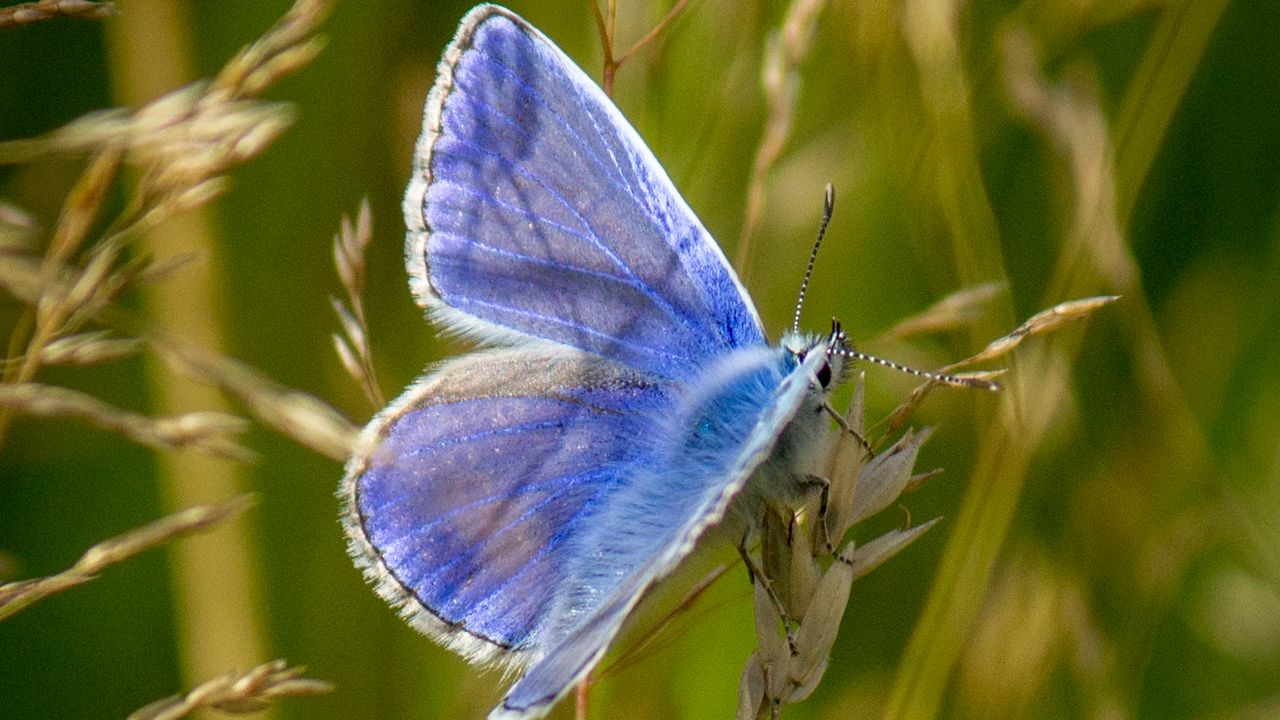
x=465, y=491
x=536, y=209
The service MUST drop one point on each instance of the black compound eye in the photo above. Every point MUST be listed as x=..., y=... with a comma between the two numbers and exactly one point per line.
x=824, y=374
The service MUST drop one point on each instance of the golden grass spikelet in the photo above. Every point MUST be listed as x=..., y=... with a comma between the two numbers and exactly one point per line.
x=187, y=139
x=185, y=142
x=237, y=692
x=286, y=47
x=955, y=310
x=89, y=348
x=802, y=583
x=352, y=344
x=209, y=432
x=1045, y=321
x=33, y=12
x=784, y=53
x=58, y=303
x=297, y=415
x=16, y=596
x=1041, y=323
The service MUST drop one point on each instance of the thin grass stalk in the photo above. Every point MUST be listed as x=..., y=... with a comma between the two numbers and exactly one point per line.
x=785, y=51
x=16, y=596
x=1173, y=55
x=1005, y=455
x=606, y=26
x=33, y=12
x=1155, y=90
x=952, y=169
x=978, y=532
x=236, y=693
x=49, y=313
x=218, y=589
x=1168, y=64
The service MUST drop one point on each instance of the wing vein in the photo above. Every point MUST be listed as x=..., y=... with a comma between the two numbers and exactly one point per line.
x=577, y=327
x=533, y=92
x=630, y=279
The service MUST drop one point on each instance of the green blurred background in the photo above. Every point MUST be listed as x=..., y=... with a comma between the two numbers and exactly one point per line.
x=1139, y=477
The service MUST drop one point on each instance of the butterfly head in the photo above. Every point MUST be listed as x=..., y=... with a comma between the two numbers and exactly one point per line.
x=835, y=348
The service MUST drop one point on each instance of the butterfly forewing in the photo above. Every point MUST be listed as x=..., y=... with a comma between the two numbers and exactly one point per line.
x=536, y=210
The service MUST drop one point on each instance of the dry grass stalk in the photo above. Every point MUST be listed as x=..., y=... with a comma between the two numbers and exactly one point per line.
x=16, y=596
x=209, y=432
x=188, y=139
x=54, y=305
x=352, y=344
x=785, y=51
x=298, y=415
x=1043, y=322
x=605, y=24
x=33, y=12
x=184, y=143
x=237, y=693
x=89, y=348
x=955, y=310
x=804, y=575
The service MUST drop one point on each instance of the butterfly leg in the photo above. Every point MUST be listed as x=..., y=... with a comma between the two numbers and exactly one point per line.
x=844, y=425
x=824, y=500
x=755, y=574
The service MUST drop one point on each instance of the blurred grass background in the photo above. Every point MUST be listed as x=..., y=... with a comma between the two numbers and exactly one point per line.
x=1112, y=524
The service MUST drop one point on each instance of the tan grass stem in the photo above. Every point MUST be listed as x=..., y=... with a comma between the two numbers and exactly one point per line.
x=33, y=12
x=15, y=596
x=785, y=52
x=236, y=693
x=218, y=588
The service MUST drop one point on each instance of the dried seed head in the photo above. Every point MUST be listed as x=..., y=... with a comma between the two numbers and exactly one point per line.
x=808, y=578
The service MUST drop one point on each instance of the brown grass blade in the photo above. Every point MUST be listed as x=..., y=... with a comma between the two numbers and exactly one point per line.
x=16, y=596
x=209, y=432
x=237, y=692
x=33, y=12
x=953, y=311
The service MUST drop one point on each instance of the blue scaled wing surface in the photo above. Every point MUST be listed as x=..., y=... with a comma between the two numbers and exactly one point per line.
x=516, y=503
x=464, y=493
x=535, y=209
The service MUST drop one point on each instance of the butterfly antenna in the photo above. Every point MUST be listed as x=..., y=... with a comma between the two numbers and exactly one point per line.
x=828, y=204
x=956, y=380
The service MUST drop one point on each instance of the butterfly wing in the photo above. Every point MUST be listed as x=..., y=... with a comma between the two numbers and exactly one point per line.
x=721, y=433
x=464, y=493
x=536, y=209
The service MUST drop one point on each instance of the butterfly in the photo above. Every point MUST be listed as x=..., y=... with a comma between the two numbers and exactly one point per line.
x=516, y=503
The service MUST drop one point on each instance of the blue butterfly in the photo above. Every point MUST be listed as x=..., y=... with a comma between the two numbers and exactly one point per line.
x=516, y=503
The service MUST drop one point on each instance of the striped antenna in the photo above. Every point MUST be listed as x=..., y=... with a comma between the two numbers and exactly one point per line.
x=956, y=380
x=828, y=204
